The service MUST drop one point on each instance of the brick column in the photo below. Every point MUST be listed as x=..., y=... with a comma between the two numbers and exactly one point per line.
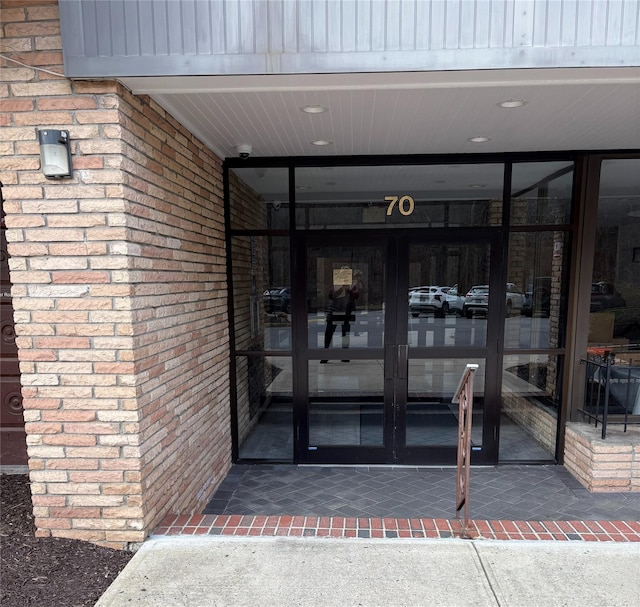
x=119, y=289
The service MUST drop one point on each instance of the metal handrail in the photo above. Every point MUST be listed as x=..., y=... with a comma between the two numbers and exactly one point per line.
x=464, y=397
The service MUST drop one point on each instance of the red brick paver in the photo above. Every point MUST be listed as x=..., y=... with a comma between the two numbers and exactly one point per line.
x=339, y=527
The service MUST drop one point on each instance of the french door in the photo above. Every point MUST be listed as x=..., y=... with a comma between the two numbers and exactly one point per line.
x=387, y=333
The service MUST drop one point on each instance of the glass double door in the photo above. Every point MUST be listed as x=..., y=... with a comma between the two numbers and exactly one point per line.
x=391, y=322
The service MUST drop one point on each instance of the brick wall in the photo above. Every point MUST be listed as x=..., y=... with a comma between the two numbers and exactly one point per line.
x=119, y=290
x=606, y=465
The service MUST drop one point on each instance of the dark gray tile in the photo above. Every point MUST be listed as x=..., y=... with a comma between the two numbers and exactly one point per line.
x=503, y=492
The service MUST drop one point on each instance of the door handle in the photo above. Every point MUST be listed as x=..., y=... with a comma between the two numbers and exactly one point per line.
x=403, y=361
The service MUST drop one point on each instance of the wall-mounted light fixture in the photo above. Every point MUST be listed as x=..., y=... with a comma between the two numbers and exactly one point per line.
x=55, y=153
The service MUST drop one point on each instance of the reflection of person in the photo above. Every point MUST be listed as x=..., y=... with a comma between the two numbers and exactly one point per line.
x=342, y=305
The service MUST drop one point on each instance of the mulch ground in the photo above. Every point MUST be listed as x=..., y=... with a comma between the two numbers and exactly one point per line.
x=49, y=572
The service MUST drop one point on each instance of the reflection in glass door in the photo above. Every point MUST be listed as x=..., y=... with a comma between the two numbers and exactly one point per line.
x=346, y=316
x=388, y=335
x=447, y=328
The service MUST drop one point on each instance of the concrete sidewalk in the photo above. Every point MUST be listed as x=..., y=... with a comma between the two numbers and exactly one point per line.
x=224, y=571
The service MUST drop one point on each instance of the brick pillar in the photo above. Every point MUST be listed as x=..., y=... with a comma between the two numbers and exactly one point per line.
x=119, y=289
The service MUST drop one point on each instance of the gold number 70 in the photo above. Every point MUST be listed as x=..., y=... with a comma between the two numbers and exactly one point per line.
x=406, y=204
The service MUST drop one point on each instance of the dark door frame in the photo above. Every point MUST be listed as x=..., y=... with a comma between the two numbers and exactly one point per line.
x=396, y=242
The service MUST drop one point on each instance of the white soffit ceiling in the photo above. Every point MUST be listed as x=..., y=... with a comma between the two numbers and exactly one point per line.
x=406, y=113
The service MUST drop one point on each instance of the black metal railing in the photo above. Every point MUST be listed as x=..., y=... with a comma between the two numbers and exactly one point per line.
x=612, y=388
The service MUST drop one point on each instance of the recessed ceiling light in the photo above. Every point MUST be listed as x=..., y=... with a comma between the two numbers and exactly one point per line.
x=512, y=103
x=477, y=186
x=303, y=187
x=314, y=109
x=479, y=139
x=322, y=142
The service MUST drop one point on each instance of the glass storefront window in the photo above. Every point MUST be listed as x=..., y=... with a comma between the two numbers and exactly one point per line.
x=432, y=419
x=261, y=293
x=614, y=305
x=615, y=287
x=536, y=292
x=346, y=403
x=531, y=388
x=430, y=196
x=259, y=198
x=264, y=407
x=444, y=280
x=448, y=295
x=541, y=193
x=358, y=331
x=345, y=297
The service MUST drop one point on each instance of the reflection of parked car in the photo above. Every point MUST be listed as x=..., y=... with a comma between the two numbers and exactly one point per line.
x=439, y=300
x=268, y=298
x=604, y=295
x=277, y=299
x=477, y=300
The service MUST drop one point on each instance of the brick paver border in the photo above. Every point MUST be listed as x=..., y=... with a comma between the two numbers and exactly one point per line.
x=343, y=527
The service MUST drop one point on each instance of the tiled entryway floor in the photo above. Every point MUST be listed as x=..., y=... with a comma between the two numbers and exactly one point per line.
x=523, y=502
